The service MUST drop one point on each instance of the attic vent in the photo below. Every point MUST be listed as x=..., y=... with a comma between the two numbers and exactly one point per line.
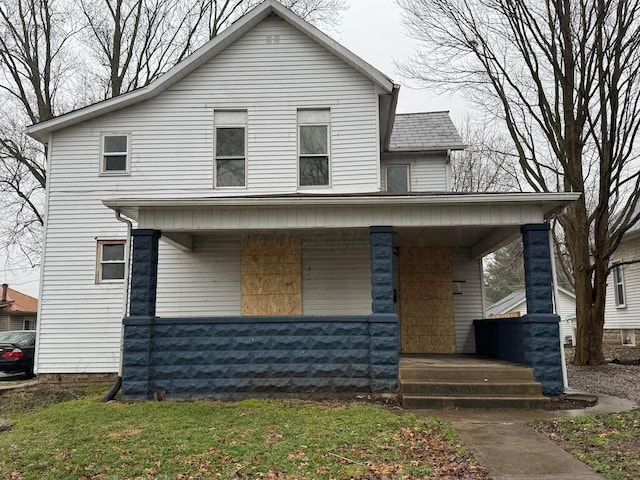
x=272, y=39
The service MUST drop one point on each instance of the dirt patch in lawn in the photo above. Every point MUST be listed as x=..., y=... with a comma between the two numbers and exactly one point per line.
x=29, y=399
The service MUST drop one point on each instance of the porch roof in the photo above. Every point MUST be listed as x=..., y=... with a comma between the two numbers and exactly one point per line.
x=550, y=203
x=479, y=221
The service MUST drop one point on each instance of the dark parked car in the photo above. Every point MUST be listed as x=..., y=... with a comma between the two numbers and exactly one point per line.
x=16, y=351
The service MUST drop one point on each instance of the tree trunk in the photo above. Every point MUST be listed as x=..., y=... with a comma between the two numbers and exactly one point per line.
x=590, y=297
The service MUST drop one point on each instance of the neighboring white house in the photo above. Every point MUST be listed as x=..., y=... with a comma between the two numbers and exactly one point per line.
x=515, y=305
x=283, y=188
x=622, y=310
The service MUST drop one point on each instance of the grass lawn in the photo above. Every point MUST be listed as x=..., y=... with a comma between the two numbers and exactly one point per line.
x=610, y=444
x=283, y=439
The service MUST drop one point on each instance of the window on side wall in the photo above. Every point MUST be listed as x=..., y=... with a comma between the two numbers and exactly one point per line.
x=618, y=286
x=110, y=261
x=313, y=148
x=115, y=154
x=628, y=337
x=230, y=169
x=398, y=178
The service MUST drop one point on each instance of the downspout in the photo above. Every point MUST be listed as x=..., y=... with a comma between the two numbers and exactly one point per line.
x=556, y=296
x=110, y=395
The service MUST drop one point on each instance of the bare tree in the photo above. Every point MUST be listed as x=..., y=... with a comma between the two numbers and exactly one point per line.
x=45, y=71
x=33, y=64
x=136, y=41
x=564, y=77
x=487, y=164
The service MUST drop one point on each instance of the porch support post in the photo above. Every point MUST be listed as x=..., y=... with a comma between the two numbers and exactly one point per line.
x=144, y=273
x=383, y=322
x=538, y=277
x=540, y=326
x=381, y=269
x=138, y=327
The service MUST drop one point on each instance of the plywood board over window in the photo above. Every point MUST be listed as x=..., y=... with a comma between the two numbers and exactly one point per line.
x=271, y=276
x=426, y=300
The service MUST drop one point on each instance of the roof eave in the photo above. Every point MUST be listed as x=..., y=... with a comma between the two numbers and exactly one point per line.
x=439, y=148
x=549, y=202
x=41, y=131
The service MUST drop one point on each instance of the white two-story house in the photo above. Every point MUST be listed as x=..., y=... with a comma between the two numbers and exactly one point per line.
x=259, y=219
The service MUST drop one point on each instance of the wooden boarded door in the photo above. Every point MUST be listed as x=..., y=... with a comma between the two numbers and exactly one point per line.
x=426, y=300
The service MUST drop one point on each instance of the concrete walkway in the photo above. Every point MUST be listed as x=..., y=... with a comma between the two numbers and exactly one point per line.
x=502, y=441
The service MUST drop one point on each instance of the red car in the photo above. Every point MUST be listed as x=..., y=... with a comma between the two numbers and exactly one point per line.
x=16, y=351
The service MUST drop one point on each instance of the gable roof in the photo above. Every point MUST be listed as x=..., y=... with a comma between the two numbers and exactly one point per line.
x=515, y=298
x=18, y=302
x=414, y=132
x=40, y=131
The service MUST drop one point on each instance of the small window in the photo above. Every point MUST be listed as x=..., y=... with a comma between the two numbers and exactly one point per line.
x=398, y=178
x=618, y=286
x=29, y=324
x=628, y=337
x=110, y=261
x=231, y=149
x=313, y=148
x=115, y=154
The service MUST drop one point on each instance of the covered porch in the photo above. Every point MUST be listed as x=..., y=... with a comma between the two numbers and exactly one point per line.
x=406, y=279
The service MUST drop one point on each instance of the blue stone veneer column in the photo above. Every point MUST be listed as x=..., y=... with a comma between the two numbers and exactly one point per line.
x=538, y=278
x=144, y=273
x=540, y=327
x=383, y=327
x=137, y=342
x=381, y=269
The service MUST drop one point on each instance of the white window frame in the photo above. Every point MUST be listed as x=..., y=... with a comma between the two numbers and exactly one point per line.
x=314, y=123
x=229, y=124
x=99, y=261
x=386, y=173
x=104, y=154
x=31, y=321
x=632, y=337
x=618, y=285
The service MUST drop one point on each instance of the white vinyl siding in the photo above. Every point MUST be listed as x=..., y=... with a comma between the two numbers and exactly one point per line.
x=628, y=317
x=336, y=273
x=565, y=306
x=171, y=153
x=467, y=306
x=202, y=282
x=428, y=173
x=80, y=321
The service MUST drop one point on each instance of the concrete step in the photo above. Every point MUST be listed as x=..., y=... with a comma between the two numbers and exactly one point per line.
x=508, y=374
x=476, y=402
x=458, y=388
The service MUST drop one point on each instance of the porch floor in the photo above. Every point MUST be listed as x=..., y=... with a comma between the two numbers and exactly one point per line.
x=466, y=381
x=413, y=360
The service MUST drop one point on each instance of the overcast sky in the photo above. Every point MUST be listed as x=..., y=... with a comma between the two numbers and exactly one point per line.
x=372, y=29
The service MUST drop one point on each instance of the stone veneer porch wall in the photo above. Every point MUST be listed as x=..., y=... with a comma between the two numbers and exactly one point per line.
x=241, y=356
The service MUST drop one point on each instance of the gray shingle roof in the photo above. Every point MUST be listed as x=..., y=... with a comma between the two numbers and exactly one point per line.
x=505, y=304
x=424, y=131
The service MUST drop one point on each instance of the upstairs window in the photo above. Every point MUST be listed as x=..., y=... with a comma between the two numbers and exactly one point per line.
x=231, y=149
x=618, y=286
x=313, y=148
x=115, y=154
x=398, y=178
x=110, y=261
